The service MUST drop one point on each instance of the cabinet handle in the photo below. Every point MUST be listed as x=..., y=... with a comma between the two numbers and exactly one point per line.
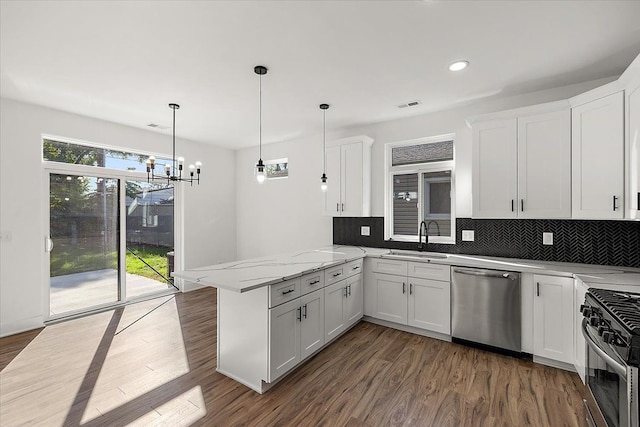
x=349, y=287
x=410, y=288
x=522, y=205
x=337, y=274
x=299, y=309
x=404, y=287
x=305, y=311
x=346, y=294
x=337, y=207
x=614, y=203
x=356, y=267
x=288, y=292
x=512, y=205
x=314, y=282
x=343, y=207
x=638, y=205
x=538, y=289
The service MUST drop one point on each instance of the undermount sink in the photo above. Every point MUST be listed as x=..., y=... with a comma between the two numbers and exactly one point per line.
x=416, y=254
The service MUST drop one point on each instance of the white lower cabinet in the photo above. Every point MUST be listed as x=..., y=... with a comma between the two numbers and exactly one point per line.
x=343, y=305
x=422, y=301
x=296, y=331
x=580, y=361
x=429, y=305
x=553, y=318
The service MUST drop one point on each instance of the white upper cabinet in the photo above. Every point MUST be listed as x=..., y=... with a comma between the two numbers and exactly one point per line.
x=544, y=165
x=495, y=160
x=522, y=163
x=598, y=157
x=349, y=177
x=632, y=141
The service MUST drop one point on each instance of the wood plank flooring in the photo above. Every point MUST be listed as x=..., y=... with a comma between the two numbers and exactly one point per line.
x=153, y=363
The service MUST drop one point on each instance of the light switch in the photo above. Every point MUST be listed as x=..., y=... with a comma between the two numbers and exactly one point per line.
x=468, y=235
x=547, y=238
x=365, y=230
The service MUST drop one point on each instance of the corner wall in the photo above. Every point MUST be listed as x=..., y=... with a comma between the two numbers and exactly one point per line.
x=209, y=209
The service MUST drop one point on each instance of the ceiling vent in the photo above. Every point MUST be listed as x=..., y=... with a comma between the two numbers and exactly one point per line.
x=410, y=104
x=156, y=126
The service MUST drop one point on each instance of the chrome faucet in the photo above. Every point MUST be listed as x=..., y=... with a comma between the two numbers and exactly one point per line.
x=421, y=245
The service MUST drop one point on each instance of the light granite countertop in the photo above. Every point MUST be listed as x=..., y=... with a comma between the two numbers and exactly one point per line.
x=245, y=275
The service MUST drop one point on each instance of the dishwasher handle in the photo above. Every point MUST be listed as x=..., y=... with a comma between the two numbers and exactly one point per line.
x=485, y=273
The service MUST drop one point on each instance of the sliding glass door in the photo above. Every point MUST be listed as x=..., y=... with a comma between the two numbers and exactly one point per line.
x=84, y=213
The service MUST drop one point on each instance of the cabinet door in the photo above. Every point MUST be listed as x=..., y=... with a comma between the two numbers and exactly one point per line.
x=389, y=299
x=429, y=305
x=332, y=195
x=351, y=177
x=284, y=338
x=312, y=324
x=632, y=151
x=354, y=303
x=334, y=315
x=597, y=158
x=553, y=318
x=544, y=165
x=494, y=169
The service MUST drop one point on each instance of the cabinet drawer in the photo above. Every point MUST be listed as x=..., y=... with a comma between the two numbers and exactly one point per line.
x=342, y=271
x=283, y=292
x=311, y=282
x=426, y=270
x=389, y=266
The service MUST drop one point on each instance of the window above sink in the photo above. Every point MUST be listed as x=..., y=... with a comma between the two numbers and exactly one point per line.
x=419, y=185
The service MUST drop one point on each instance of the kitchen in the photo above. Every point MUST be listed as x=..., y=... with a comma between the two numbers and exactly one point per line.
x=286, y=215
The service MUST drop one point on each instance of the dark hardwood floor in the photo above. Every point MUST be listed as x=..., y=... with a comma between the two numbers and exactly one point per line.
x=153, y=363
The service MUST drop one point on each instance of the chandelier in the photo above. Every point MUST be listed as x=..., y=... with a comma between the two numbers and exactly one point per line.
x=170, y=173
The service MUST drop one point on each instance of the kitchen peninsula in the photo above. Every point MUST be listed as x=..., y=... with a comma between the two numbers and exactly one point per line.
x=275, y=312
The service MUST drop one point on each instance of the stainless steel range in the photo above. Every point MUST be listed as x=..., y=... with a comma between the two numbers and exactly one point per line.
x=611, y=329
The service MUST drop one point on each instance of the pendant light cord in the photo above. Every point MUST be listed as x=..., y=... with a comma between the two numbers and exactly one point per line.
x=324, y=140
x=174, y=141
x=260, y=113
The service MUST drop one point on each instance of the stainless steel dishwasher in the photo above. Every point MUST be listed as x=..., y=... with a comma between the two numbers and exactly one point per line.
x=486, y=307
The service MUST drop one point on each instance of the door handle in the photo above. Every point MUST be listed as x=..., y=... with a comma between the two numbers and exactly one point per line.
x=48, y=244
x=538, y=289
x=410, y=288
x=511, y=205
x=522, y=205
x=404, y=288
x=614, y=203
x=305, y=311
x=299, y=310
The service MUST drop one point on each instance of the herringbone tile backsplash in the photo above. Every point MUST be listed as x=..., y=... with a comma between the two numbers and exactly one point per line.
x=585, y=242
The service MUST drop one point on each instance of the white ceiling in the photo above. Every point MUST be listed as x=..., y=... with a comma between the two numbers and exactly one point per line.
x=125, y=61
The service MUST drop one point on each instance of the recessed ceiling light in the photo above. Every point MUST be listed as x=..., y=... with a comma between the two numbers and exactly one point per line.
x=458, y=65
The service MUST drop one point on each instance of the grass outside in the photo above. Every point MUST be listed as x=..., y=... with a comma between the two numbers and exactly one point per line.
x=76, y=259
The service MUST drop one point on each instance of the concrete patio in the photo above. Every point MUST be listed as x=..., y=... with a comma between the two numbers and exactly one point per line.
x=82, y=290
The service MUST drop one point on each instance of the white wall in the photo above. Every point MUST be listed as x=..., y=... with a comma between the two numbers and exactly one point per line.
x=286, y=215
x=209, y=209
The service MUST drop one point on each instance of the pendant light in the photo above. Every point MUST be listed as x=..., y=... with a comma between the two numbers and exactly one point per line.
x=260, y=70
x=170, y=169
x=323, y=178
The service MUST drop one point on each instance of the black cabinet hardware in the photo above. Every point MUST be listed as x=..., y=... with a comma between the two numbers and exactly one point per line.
x=337, y=207
x=305, y=311
x=511, y=205
x=299, y=309
x=337, y=274
x=314, y=282
x=288, y=292
x=614, y=203
x=404, y=288
x=537, y=288
x=522, y=205
x=410, y=288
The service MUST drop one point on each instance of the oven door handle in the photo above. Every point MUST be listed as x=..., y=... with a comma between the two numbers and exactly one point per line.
x=619, y=368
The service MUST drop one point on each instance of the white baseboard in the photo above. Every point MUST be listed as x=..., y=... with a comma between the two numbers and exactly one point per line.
x=22, y=325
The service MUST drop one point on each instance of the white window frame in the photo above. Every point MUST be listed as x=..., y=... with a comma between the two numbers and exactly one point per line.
x=419, y=168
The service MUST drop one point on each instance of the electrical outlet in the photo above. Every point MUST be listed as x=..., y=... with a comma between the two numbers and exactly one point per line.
x=468, y=235
x=365, y=230
x=547, y=238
